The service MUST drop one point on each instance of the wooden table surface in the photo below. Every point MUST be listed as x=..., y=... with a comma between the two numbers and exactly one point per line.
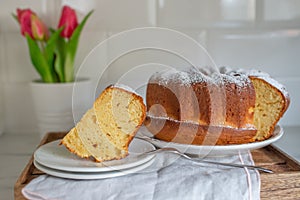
x=283, y=184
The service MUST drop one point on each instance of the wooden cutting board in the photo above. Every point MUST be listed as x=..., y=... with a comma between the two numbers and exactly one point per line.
x=284, y=183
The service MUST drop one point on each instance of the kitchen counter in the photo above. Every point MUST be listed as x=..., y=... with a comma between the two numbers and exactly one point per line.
x=16, y=149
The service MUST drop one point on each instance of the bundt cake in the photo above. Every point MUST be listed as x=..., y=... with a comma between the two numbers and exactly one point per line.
x=206, y=108
x=106, y=130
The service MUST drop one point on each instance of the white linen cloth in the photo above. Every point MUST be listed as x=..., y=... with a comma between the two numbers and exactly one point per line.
x=169, y=177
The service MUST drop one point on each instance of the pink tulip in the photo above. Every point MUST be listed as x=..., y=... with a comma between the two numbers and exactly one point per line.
x=39, y=30
x=32, y=25
x=68, y=19
x=24, y=17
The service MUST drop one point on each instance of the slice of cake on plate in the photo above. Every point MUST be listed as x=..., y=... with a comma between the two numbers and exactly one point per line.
x=106, y=130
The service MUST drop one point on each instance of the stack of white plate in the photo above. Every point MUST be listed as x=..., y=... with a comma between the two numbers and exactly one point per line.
x=56, y=160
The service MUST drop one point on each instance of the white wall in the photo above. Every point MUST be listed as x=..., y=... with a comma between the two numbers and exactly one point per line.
x=263, y=34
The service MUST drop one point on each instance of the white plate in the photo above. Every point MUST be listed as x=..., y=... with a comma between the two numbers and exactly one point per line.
x=55, y=156
x=91, y=175
x=217, y=150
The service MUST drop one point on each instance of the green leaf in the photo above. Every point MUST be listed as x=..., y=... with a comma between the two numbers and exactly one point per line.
x=59, y=64
x=39, y=61
x=52, y=53
x=50, y=47
x=71, y=49
x=15, y=17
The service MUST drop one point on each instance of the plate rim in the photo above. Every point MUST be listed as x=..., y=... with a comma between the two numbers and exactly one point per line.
x=46, y=163
x=277, y=134
x=92, y=175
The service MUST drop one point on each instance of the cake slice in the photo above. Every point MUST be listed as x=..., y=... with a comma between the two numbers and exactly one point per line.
x=271, y=102
x=106, y=130
x=119, y=114
x=74, y=145
x=86, y=140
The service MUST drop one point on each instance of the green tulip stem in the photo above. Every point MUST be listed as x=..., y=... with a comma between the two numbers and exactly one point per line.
x=71, y=49
x=69, y=68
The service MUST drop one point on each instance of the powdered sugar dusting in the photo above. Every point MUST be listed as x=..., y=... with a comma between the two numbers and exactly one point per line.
x=181, y=77
x=240, y=79
x=192, y=75
x=266, y=77
x=255, y=73
x=226, y=75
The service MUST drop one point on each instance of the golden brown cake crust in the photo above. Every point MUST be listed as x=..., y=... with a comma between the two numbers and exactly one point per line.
x=198, y=103
x=192, y=133
x=219, y=100
x=188, y=106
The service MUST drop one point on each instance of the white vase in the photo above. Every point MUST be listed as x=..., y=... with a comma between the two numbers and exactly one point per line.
x=56, y=107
